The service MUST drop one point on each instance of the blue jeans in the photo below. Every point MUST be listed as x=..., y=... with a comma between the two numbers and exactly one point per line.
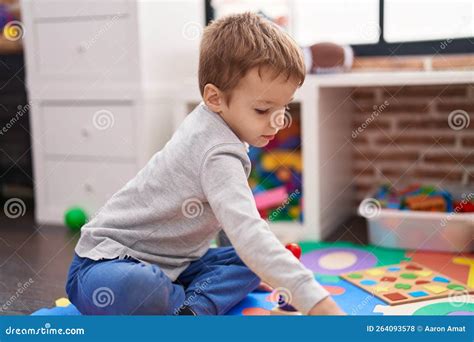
x=211, y=285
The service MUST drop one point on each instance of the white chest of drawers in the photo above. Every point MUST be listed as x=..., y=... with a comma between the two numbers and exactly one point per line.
x=101, y=79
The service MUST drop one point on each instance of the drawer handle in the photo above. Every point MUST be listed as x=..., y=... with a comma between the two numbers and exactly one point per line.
x=88, y=187
x=81, y=48
x=85, y=132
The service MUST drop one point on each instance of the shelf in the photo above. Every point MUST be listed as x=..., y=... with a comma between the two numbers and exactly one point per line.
x=366, y=79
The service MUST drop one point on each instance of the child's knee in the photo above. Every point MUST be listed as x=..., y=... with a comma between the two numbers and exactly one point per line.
x=136, y=289
x=150, y=291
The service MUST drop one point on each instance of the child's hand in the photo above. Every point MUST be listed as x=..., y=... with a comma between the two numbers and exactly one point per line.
x=264, y=287
x=326, y=307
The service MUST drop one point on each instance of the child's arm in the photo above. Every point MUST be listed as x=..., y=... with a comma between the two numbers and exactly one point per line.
x=225, y=185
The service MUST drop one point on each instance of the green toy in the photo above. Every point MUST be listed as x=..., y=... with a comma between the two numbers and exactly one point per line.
x=75, y=218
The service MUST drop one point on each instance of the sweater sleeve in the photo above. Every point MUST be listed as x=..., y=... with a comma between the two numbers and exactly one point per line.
x=224, y=183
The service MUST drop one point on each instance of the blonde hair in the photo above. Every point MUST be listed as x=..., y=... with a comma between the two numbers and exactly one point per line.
x=235, y=44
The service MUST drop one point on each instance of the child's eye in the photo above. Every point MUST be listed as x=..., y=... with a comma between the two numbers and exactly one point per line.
x=261, y=111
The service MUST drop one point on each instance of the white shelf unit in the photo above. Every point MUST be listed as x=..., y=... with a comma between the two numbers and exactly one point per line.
x=83, y=57
x=326, y=128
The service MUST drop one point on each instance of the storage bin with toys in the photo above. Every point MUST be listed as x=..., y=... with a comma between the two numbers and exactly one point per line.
x=421, y=218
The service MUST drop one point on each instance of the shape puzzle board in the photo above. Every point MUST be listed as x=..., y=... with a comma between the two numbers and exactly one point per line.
x=406, y=283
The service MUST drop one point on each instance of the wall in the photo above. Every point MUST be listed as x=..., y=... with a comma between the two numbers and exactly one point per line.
x=413, y=134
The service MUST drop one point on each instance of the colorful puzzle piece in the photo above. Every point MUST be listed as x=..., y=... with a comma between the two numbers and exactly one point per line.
x=390, y=279
x=375, y=272
x=456, y=287
x=435, y=288
x=421, y=282
x=405, y=283
x=423, y=273
x=380, y=289
x=441, y=280
x=395, y=296
x=393, y=269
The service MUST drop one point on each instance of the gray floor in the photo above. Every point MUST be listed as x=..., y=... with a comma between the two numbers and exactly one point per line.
x=33, y=264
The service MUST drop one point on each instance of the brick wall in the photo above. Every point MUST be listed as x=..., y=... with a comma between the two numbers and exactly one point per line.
x=419, y=63
x=413, y=134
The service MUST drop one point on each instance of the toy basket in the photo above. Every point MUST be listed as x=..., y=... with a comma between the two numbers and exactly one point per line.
x=418, y=230
x=444, y=232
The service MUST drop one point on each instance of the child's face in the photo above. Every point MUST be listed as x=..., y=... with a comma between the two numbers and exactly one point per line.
x=257, y=106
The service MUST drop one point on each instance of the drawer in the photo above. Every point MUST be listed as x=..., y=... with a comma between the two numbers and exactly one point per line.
x=100, y=49
x=85, y=184
x=77, y=8
x=106, y=130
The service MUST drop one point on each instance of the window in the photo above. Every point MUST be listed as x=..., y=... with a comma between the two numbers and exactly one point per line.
x=337, y=21
x=371, y=27
x=440, y=20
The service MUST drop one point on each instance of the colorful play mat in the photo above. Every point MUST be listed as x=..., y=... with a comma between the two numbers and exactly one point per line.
x=329, y=260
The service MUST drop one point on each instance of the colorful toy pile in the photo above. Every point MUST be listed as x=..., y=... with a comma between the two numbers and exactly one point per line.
x=276, y=175
x=423, y=198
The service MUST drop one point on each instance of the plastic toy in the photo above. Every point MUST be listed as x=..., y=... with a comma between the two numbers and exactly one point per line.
x=271, y=198
x=295, y=249
x=75, y=218
x=276, y=166
x=282, y=158
x=420, y=198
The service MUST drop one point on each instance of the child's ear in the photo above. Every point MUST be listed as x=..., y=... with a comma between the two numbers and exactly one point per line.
x=213, y=98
